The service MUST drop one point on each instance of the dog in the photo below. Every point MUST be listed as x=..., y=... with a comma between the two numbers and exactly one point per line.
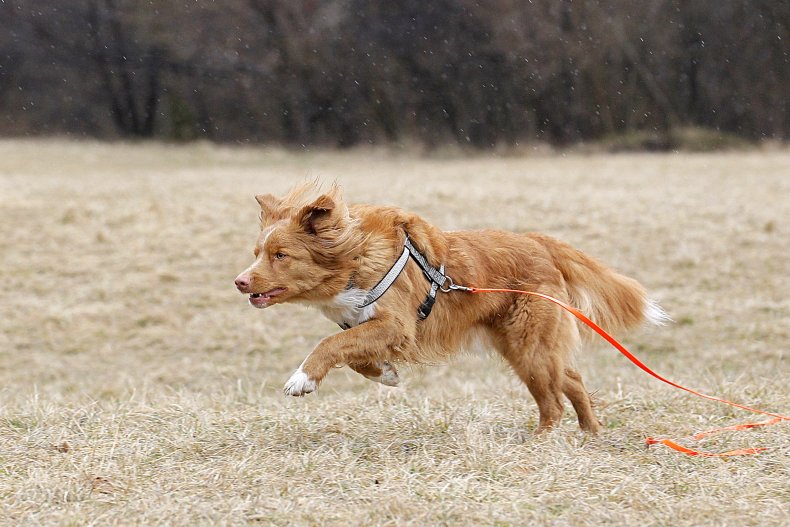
x=387, y=276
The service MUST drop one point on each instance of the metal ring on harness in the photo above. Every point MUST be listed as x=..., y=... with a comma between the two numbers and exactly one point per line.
x=448, y=288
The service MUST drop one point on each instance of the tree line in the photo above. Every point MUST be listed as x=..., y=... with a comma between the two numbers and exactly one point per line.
x=348, y=72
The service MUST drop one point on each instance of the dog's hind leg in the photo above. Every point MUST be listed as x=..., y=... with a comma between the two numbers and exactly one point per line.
x=572, y=384
x=530, y=339
x=382, y=372
x=574, y=390
x=540, y=373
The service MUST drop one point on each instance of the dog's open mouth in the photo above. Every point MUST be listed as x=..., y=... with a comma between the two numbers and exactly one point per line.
x=263, y=299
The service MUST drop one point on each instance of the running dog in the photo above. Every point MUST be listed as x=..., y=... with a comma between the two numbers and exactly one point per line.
x=384, y=275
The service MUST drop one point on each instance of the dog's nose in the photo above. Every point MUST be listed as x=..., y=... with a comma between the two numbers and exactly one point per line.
x=243, y=283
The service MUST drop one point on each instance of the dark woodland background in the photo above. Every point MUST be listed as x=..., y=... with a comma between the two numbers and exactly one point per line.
x=348, y=72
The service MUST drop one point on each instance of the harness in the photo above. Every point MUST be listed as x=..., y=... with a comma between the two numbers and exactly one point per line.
x=435, y=277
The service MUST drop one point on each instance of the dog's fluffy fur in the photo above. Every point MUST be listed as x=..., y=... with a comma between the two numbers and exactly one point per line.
x=317, y=250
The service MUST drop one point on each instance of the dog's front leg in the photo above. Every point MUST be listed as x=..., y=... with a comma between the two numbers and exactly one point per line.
x=369, y=342
x=379, y=371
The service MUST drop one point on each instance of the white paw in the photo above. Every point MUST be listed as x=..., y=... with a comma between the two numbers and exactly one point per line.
x=299, y=384
x=389, y=375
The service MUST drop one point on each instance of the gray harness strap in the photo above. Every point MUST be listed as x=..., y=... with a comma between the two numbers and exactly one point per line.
x=389, y=279
x=435, y=276
x=427, y=305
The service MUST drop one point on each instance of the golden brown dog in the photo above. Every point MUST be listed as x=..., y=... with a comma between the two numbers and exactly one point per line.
x=315, y=249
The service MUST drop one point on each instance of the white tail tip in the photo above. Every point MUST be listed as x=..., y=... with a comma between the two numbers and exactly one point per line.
x=655, y=315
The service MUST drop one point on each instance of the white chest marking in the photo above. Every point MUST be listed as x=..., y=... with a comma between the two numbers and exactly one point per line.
x=343, y=310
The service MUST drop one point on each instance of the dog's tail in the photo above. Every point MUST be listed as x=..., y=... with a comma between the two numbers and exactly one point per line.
x=613, y=301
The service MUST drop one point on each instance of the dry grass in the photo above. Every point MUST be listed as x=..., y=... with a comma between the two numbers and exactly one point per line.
x=137, y=387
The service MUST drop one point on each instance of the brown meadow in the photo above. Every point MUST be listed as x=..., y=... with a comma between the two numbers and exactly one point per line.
x=138, y=387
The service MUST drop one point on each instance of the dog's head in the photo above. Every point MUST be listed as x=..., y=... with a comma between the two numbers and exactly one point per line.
x=306, y=249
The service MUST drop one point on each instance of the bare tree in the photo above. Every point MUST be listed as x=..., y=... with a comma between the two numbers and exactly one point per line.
x=130, y=73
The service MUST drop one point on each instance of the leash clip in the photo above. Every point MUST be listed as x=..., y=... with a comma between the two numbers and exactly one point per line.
x=453, y=286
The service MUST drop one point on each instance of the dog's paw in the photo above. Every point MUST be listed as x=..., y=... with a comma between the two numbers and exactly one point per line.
x=388, y=377
x=299, y=384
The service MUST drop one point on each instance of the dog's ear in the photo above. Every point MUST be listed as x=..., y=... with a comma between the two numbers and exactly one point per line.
x=316, y=216
x=268, y=203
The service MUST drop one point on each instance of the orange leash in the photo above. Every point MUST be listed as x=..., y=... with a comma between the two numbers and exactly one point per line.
x=622, y=349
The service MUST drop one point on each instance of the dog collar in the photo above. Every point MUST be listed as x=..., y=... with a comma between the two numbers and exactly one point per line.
x=435, y=276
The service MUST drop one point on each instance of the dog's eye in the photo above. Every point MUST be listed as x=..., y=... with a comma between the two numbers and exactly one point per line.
x=279, y=256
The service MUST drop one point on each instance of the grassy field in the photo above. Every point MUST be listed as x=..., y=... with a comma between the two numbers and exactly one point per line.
x=138, y=387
